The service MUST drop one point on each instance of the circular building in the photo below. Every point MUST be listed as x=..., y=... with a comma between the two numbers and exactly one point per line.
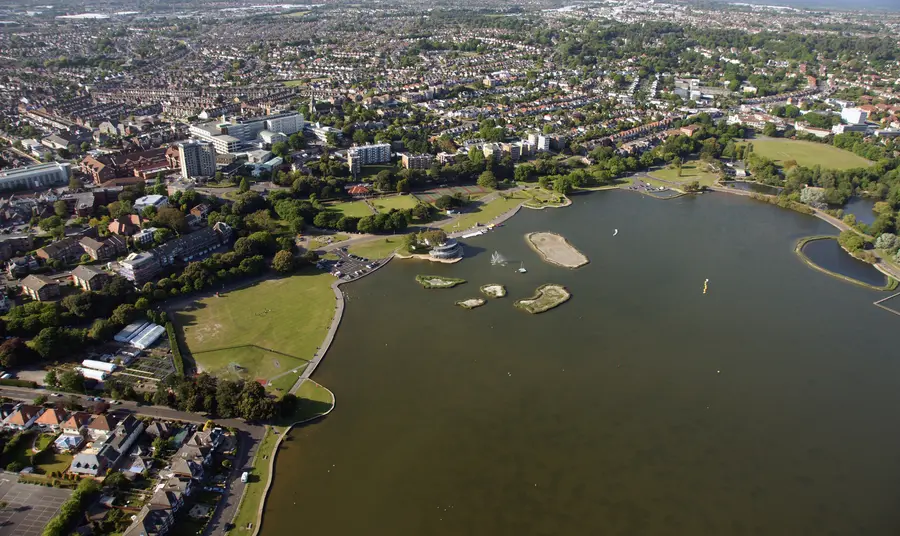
x=449, y=249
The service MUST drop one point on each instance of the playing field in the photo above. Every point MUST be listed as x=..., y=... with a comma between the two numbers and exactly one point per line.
x=430, y=196
x=690, y=171
x=483, y=213
x=808, y=154
x=355, y=209
x=262, y=330
x=399, y=202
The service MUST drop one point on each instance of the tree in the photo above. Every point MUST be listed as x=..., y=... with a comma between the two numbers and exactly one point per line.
x=79, y=305
x=61, y=209
x=74, y=184
x=123, y=314
x=244, y=186
x=72, y=381
x=254, y=405
x=281, y=149
x=228, y=394
x=403, y=186
x=50, y=223
x=487, y=180
x=15, y=352
x=887, y=241
x=770, y=130
x=51, y=380
x=283, y=262
x=366, y=225
x=161, y=236
x=101, y=330
x=172, y=218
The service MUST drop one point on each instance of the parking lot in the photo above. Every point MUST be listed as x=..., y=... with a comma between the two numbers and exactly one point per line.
x=28, y=507
x=351, y=266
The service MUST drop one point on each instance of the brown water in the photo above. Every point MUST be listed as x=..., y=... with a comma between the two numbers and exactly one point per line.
x=642, y=406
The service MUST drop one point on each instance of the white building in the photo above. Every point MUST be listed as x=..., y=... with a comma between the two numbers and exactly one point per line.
x=37, y=176
x=539, y=142
x=158, y=201
x=198, y=159
x=363, y=155
x=854, y=116
x=231, y=136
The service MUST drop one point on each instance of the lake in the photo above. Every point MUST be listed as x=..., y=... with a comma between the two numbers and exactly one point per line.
x=829, y=255
x=641, y=406
x=756, y=187
x=861, y=207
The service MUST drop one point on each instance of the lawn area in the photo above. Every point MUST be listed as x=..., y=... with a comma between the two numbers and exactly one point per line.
x=373, y=169
x=690, y=171
x=313, y=400
x=284, y=383
x=378, y=248
x=324, y=240
x=540, y=197
x=356, y=209
x=399, y=202
x=54, y=461
x=259, y=476
x=484, y=213
x=808, y=154
x=250, y=326
x=43, y=440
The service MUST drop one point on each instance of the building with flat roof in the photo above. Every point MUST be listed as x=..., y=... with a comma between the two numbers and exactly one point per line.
x=158, y=201
x=37, y=176
x=364, y=155
x=416, y=161
x=197, y=159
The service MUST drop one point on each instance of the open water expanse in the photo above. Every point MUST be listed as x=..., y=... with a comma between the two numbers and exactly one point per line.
x=768, y=406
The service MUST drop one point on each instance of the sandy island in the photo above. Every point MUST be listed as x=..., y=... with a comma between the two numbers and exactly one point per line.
x=493, y=290
x=471, y=303
x=555, y=249
x=545, y=298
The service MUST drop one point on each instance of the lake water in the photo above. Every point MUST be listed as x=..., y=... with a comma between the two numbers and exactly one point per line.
x=750, y=186
x=829, y=255
x=641, y=407
x=861, y=207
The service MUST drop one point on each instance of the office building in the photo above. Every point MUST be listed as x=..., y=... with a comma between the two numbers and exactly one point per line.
x=37, y=176
x=854, y=116
x=416, y=161
x=198, y=159
x=231, y=136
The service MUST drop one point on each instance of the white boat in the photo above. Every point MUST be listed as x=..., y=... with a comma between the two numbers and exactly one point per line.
x=522, y=269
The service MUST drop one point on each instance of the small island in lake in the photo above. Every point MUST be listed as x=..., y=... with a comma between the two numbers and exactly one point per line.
x=555, y=249
x=438, y=281
x=471, y=303
x=493, y=290
x=547, y=297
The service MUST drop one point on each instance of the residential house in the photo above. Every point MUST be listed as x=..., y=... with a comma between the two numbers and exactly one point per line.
x=51, y=419
x=689, y=130
x=101, y=426
x=152, y=520
x=40, y=287
x=158, y=429
x=108, y=447
x=201, y=211
x=19, y=266
x=65, y=250
x=125, y=226
x=23, y=417
x=73, y=432
x=103, y=250
x=89, y=278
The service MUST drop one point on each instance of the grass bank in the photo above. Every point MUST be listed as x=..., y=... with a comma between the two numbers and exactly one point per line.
x=887, y=287
x=378, y=248
x=484, y=213
x=808, y=154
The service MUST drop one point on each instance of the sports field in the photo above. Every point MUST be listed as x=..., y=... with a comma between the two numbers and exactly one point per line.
x=399, y=202
x=430, y=196
x=808, y=154
x=690, y=171
x=262, y=330
x=355, y=209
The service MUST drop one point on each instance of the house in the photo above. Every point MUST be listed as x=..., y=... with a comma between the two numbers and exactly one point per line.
x=19, y=266
x=23, y=417
x=158, y=429
x=40, y=287
x=89, y=278
x=135, y=465
x=76, y=423
x=51, y=419
x=101, y=426
x=200, y=210
x=152, y=520
x=65, y=250
x=689, y=130
x=124, y=226
x=93, y=461
x=103, y=250
x=108, y=448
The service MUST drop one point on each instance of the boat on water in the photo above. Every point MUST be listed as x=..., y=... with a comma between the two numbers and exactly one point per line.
x=522, y=269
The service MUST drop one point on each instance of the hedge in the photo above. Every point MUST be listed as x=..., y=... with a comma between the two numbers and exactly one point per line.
x=70, y=510
x=176, y=349
x=19, y=383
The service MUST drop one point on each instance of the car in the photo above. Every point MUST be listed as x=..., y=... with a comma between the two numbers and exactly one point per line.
x=55, y=394
x=115, y=402
x=245, y=477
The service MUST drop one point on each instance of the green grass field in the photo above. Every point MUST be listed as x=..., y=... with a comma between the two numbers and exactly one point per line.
x=378, y=248
x=284, y=383
x=484, y=213
x=690, y=171
x=322, y=241
x=355, y=209
x=289, y=315
x=399, y=202
x=808, y=154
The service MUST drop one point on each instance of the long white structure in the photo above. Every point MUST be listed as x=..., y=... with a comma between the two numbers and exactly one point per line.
x=231, y=136
x=146, y=338
x=92, y=374
x=129, y=331
x=98, y=365
x=37, y=176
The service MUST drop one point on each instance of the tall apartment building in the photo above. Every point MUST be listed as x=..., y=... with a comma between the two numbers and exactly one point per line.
x=231, y=136
x=539, y=141
x=37, y=176
x=198, y=159
x=363, y=155
x=416, y=161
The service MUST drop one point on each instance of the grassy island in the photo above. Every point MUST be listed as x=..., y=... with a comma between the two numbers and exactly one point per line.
x=493, y=290
x=555, y=249
x=471, y=303
x=438, y=281
x=546, y=297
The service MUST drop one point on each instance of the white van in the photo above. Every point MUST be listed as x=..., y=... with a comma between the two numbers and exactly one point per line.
x=245, y=477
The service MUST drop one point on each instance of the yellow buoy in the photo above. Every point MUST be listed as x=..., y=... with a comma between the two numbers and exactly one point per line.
x=705, y=285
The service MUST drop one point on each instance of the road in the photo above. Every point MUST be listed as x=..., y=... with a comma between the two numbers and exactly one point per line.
x=249, y=437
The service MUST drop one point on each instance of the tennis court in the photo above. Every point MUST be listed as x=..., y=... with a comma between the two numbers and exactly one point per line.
x=430, y=196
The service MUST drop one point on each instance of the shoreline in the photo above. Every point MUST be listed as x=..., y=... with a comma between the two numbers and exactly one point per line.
x=427, y=257
x=890, y=285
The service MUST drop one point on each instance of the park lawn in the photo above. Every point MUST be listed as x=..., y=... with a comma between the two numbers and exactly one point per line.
x=313, y=400
x=373, y=169
x=690, y=171
x=541, y=197
x=289, y=315
x=259, y=476
x=808, y=154
x=284, y=383
x=378, y=248
x=324, y=240
x=484, y=213
x=399, y=202
x=355, y=209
